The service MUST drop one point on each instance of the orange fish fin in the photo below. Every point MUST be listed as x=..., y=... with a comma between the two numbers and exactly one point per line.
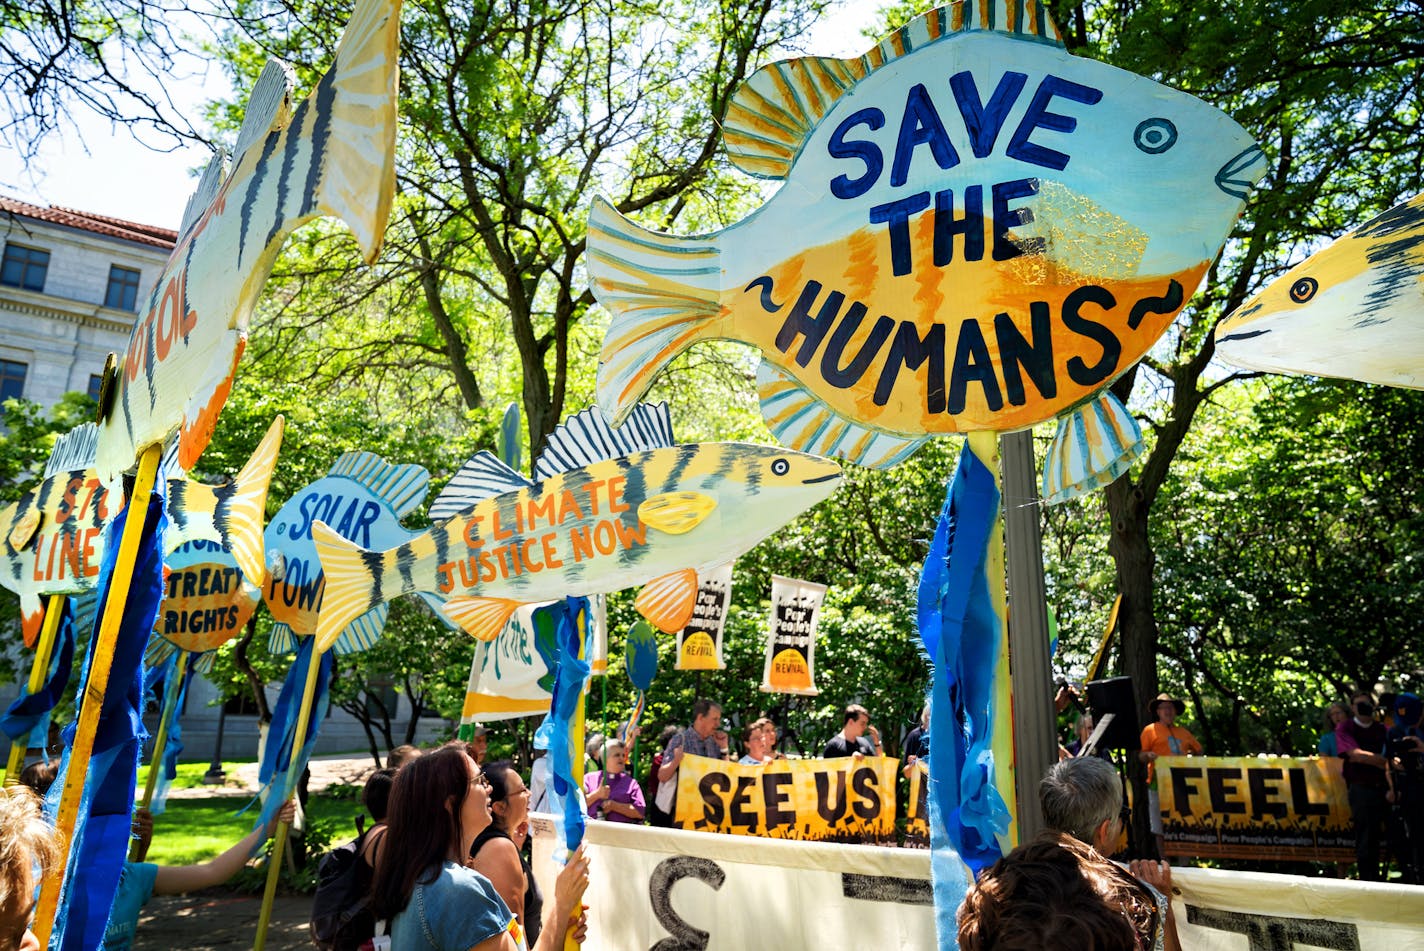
x=772, y=113
x=667, y=602
x=481, y=618
x=197, y=429
x=31, y=617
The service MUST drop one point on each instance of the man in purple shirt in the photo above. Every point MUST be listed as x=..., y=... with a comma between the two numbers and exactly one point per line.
x=1360, y=741
x=612, y=793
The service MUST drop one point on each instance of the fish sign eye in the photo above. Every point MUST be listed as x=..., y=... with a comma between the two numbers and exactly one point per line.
x=1304, y=289
x=1155, y=136
x=780, y=467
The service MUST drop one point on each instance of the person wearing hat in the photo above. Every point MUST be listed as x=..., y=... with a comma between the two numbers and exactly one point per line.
x=1162, y=737
x=478, y=744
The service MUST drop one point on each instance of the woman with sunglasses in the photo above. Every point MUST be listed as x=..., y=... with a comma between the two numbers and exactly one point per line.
x=496, y=853
x=439, y=805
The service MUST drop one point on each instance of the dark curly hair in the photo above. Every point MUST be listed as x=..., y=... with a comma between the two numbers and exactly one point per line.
x=1057, y=892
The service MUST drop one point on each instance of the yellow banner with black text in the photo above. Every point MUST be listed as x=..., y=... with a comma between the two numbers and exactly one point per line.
x=821, y=799
x=1277, y=808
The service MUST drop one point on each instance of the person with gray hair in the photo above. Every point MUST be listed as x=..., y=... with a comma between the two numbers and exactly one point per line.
x=1082, y=797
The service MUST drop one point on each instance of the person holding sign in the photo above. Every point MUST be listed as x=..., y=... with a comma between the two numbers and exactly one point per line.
x=852, y=739
x=758, y=742
x=611, y=792
x=699, y=740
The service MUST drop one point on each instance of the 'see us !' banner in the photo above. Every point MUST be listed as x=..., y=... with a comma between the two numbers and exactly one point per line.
x=1271, y=809
x=699, y=644
x=791, y=643
x=817, y=799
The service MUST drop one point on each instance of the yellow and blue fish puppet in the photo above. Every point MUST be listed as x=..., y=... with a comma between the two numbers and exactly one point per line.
x=207, y=601
x=1354, y=309
x=52, y=538
x=334, y=154
x=362, y=498
x=977, y=231
x=608, y=509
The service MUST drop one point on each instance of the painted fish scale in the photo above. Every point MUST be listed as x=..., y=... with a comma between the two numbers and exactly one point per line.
x=997, y=230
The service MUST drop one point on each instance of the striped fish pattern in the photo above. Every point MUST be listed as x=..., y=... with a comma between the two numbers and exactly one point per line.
x=52, y=538
x=1353, y=310
x=334, y=154
x=979, y=232
x=653, y=514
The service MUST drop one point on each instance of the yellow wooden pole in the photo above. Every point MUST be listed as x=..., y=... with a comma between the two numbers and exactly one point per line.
x=279, y=836
x=155, y=762
x=985, y=445
x=577, y=733
x=54, y=611
x=101, y=659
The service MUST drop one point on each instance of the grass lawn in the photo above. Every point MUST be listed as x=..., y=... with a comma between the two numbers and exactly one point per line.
x=195, y=830
x=190, y=775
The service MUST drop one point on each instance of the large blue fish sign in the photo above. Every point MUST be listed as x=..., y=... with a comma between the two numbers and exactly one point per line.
x=363, y=498
x=979, y=231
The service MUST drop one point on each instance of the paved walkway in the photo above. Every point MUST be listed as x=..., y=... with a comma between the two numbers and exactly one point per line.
x=221, y=921
x=326, y=771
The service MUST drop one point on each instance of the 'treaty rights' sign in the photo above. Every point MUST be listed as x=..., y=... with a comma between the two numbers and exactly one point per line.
x=979, y=231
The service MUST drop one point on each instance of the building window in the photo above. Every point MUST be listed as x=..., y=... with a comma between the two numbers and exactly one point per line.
x=96, y=383
x=123, y=288
x=12, y=380
x=24, y=267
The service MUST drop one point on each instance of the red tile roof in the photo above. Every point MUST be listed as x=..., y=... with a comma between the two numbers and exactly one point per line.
x=153, y=235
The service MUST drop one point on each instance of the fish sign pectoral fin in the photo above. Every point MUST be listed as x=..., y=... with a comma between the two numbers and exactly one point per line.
x=25, y=529
x=31, y=618
x=676, y=513
x=481, y=618
x=667, y=602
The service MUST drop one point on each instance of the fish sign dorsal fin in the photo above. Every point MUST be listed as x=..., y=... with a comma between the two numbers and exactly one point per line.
x=403, y=487
x=482, y=477
x=204, y=194
x=74, y=450
x=268, y=107
x=771, y=115
x=586, y=438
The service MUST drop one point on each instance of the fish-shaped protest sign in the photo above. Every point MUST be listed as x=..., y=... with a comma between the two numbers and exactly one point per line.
x=52, y=538
x=608, y=509
x=978, y=231
x=207, y=601
x=1353, y=310
x=362, y=498
x=334, y=154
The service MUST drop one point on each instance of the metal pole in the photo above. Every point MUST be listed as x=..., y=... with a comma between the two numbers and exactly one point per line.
x=215, y=776
x=1035, y=734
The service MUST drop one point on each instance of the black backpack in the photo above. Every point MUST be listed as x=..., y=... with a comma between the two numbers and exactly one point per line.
x=341, y=918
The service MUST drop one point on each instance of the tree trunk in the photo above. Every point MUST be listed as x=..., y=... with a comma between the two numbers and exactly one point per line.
x=259, y=689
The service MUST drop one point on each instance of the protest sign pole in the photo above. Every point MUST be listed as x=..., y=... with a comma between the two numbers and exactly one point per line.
x=155, y=763
x=101, y=661
x=40, y=669
x=279, y=835
x=1030, y=668
x=985, y=445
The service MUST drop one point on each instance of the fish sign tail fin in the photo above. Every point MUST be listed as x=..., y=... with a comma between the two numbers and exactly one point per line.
x=360, y=150
x=32, y=612
x=353, y=583
x=664, y=292
x=242, y=513
x=1094, y=445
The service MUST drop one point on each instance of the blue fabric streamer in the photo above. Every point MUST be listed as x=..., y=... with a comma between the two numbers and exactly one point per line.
x=962, y=635
x=27, y=720
x=278, y=778
x=174, y=694
x=571, y=673
x=102, y=825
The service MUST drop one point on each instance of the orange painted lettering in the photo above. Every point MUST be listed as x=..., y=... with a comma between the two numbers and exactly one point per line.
x=616, y=505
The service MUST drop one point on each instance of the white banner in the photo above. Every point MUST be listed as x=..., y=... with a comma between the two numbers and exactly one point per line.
x=699, y=645
x=733, y=893
x=729, y=893
x=791, y=641
x=505, y=674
